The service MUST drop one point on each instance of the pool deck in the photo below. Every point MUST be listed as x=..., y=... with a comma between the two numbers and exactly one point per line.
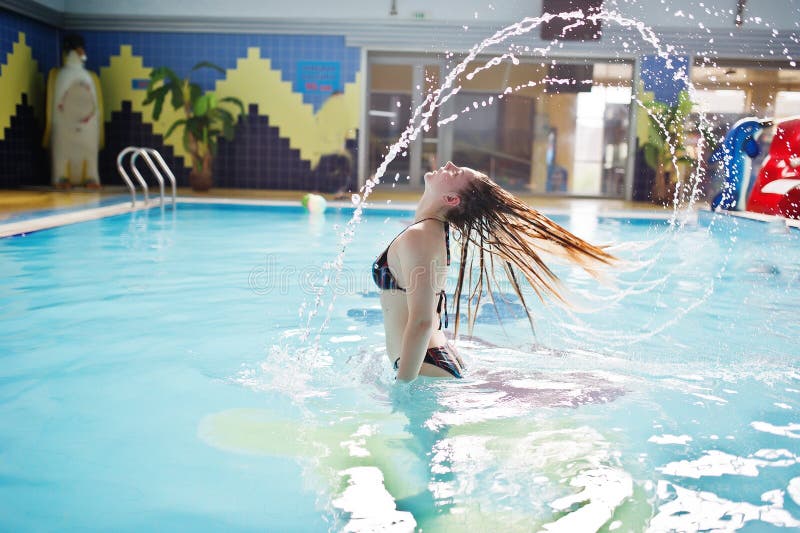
x=15, y=201
x=67, y=207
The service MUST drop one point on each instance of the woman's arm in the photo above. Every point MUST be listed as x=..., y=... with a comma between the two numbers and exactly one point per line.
x=417, y=254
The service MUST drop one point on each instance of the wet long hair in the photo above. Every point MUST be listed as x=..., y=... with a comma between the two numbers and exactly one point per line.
x=492, y=225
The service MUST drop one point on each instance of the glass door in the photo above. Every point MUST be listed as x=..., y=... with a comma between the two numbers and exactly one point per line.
x=563, y=130
x=398, y=85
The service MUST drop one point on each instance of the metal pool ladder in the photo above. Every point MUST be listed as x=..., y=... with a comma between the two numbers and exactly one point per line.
x=149, y=155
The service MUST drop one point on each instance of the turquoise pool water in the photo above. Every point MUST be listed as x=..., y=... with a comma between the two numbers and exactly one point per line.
x=154, y=377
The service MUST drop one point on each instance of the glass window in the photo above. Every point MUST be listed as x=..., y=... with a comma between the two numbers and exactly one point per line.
x=734, y=89
x=720, y=101
x=389, y=114
x=563, y=129
x=731, y=89
x=601, y=143
x=559, y=127
x=398, y=85
x=495, y=138
x=787, y=104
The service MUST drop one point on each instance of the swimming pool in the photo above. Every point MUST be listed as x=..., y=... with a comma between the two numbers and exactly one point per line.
x=154, y=377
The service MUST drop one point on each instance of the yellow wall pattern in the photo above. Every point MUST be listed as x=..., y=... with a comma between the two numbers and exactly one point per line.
x=254, y=81
x=20, y=75
x=117, y=83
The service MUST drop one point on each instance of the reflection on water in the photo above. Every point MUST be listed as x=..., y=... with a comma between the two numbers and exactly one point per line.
x=670, y=408
x=207, y=378
x=542, y=439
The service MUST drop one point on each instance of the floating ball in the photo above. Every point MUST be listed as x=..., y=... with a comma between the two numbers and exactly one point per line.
x=314, y=203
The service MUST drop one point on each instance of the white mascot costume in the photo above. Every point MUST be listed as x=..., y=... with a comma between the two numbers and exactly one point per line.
x=74, y=128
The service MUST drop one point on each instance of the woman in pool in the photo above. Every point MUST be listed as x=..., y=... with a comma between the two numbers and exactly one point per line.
x=412, y=271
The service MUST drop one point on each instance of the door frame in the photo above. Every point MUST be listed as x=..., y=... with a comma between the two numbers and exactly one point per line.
x=418, y=62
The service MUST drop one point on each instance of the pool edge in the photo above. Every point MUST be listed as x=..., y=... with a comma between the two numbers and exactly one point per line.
x=31, y=225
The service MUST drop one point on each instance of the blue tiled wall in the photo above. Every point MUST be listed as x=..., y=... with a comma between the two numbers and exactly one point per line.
x=23, y=161
x=181, y=51
x=658, y=76
x=43, y=39
x=278, y=166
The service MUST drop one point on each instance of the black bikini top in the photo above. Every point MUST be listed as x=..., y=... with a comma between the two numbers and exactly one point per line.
x=385, y=280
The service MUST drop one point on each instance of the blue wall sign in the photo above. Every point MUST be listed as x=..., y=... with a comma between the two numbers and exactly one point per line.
x=319, y=77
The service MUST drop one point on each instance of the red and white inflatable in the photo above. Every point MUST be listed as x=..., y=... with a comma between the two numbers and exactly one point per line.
x=777, y=189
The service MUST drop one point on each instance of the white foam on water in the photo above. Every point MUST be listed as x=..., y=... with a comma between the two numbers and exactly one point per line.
x=774, y=497
x=566, y=467
x=794, y=489
x=694, y=511
x=670, y=439
x=710, y=398
x=716, y=463
x=604, y=489
x=280, y=373
x=369, y=505
x=346, y=338
x=542, y=384
x=356, y=446
x=791, y=430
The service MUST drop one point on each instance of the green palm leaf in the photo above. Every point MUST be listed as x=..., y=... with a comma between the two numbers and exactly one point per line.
x=233, y=100
x=174, y=125
x=208, y=64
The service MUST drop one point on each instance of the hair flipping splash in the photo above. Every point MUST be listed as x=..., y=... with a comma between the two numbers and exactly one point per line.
x=499, y=225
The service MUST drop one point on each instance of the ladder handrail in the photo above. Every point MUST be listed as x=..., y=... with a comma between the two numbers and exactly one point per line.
x=166, y=169
x=153, y=169
x=145, y=153
x=127, y=178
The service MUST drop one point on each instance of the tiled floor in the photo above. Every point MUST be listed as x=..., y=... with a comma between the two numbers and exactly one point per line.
x=14, y=201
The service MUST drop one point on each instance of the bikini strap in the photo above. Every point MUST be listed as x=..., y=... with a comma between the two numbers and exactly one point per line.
x=414, y=224
x=442, y=307
x=447, y=241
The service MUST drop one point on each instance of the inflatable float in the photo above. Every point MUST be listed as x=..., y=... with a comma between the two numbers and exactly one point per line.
x=735, y=153
x=776, y=190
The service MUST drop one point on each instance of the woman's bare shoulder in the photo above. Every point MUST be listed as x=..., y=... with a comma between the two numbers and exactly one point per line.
x=422, y=239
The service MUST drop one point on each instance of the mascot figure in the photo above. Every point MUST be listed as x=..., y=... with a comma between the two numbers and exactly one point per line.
x=74, y=128
x=777, y=189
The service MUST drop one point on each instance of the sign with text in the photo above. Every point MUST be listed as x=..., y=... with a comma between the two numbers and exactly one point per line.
x=319, y=77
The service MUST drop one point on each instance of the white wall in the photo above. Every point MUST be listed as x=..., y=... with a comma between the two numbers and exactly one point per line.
x=460, y=10
x=780, y=14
